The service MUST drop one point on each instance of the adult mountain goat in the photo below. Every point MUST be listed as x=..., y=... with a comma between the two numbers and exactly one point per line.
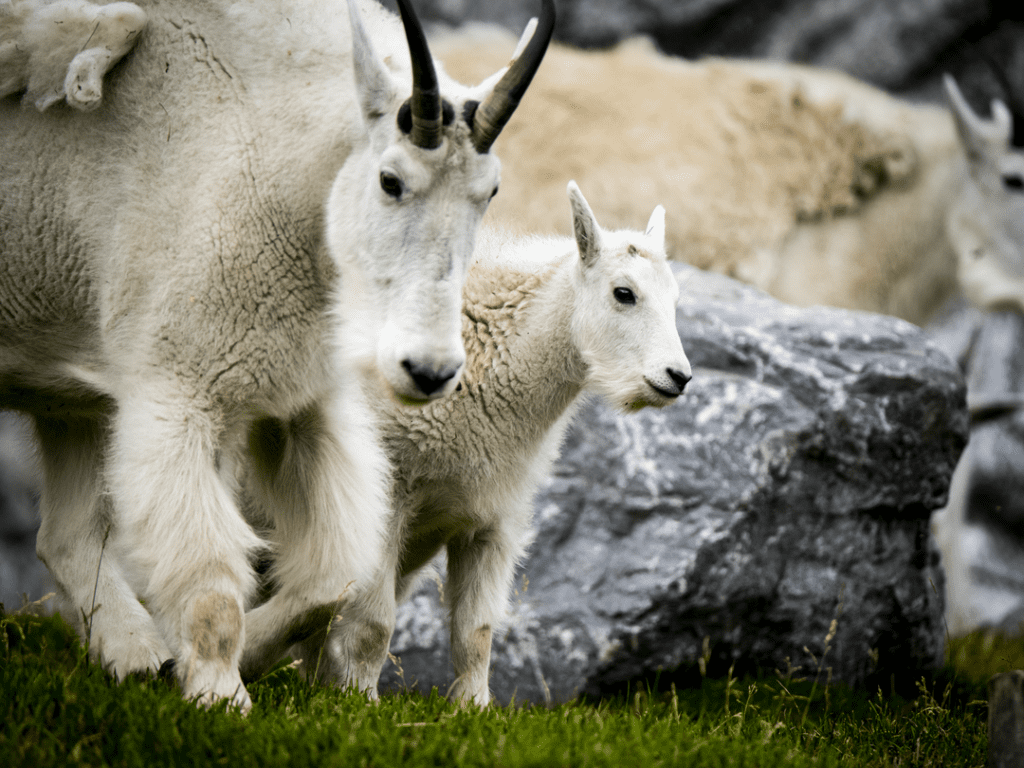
x=803, y=181
x=545, y=321
x=256, y=213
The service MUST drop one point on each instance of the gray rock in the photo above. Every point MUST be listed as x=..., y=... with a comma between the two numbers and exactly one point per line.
x=22, y=575
x=791, y=485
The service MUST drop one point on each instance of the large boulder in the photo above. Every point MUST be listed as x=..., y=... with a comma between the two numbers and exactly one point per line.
x=792, y=485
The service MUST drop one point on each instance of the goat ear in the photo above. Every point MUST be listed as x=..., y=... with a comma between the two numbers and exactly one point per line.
x=584, y=226
x=656, y=226
x=981, y=138
x=374, y=84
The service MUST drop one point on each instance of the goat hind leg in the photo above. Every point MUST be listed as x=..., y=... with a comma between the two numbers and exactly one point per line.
x=73, y=540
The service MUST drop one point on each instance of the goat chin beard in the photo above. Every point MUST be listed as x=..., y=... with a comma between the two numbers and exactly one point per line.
x=627, y=398
x=640, y=400
x=647, y=398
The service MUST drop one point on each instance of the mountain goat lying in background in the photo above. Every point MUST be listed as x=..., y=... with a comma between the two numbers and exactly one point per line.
x=802, y=181
x=545, y=321
x=61, y=49
x=986, y=222
x=988, y=237
x=256, y=214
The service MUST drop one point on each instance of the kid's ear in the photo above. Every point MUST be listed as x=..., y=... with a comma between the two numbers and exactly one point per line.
x=584, y=225
x=373, y=82
x=656, y=226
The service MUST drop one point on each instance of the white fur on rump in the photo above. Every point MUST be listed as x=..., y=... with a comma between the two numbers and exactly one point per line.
x=546, y=321
x=60, y=49
x=198, y=274
x=803, y=181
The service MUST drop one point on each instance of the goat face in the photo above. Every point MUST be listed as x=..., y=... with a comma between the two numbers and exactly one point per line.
x=403, y=213
x=624, y=323
x=987, y=223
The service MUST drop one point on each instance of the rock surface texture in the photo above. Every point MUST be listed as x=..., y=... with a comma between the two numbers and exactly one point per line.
x=792, y=485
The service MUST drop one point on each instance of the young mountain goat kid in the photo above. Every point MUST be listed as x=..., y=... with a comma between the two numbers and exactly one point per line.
x=544, y=321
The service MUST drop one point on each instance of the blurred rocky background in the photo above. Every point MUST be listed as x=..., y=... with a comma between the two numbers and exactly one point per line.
x=903, y=46
x=22, y=576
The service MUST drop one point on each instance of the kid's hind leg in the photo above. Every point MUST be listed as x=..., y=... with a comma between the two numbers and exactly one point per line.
x=321, y=475
x=75, y=542
x=183, y=532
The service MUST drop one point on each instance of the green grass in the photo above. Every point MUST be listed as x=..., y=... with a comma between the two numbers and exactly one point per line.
x=57, y=708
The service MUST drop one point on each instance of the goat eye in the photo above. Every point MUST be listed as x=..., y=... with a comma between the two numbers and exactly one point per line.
x=391, y=184
x=1013, y=181
x=624, y=296
x=495, y=192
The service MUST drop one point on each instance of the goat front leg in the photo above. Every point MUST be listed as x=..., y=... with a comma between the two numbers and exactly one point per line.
x=183, y=534
x=320, y=479
x=481, y=565
x=75, y=540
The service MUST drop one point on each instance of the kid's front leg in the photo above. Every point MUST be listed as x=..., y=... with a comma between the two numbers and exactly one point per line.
x=480, y=570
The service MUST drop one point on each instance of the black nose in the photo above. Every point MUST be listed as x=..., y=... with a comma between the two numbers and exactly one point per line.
x=679, y=378
x=427, y=379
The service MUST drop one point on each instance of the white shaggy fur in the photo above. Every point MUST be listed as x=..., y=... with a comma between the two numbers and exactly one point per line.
x=803, y=181
x=196, y=275
x=60, y=49
x=545, y=321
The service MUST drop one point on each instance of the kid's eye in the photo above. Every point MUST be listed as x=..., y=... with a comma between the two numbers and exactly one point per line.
x=624, y=296
x=391, y=184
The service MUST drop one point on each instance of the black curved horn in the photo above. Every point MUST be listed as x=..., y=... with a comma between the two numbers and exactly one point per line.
x=425, y=102
x=494, y=111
